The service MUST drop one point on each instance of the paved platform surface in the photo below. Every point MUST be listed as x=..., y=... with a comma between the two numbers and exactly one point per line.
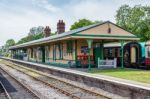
x=83, y=72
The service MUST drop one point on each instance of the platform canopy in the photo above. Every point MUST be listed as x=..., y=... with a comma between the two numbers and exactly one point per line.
x=106, y=31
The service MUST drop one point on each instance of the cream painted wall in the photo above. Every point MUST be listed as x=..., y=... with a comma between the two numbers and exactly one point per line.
x=103, y=30
x=66, y=56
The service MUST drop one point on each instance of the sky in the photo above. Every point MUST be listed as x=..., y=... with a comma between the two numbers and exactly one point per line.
x=18, y=16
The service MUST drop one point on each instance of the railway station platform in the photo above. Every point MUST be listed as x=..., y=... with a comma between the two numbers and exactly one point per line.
x=125, y=88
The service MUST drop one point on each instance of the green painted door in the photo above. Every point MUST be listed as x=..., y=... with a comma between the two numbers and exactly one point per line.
x=97, y=54
x=43, y=54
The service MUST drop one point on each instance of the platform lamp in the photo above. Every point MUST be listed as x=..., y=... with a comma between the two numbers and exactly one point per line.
x=89, y=41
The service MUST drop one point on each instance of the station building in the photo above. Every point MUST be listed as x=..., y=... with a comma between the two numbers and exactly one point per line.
x=76, y=48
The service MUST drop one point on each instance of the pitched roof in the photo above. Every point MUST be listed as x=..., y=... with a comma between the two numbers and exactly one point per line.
x=57, y=36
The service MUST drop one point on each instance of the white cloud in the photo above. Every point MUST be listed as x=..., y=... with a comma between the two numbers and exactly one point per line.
x=17, y=19
x=45, y=4
x=93, y=10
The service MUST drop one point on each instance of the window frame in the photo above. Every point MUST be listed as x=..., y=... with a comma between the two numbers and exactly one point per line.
x=69, y=46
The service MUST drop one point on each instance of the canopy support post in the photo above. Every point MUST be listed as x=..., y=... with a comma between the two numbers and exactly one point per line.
x=101, y=50
x=89, y=41
x=122, y=65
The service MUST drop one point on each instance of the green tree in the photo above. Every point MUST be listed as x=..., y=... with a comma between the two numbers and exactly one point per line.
x=135, y=19
x=122, y=16
x=10, y=42
x=30, y=38
x=81, y=23
x=5, y=49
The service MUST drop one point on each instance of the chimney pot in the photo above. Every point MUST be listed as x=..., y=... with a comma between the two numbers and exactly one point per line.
x=60, y=27
x=47, y=31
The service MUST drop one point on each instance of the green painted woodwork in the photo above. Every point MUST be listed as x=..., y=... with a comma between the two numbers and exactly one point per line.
x=76, y=59
x=17, y=54
x=75, y=32
x=54, y=53
x=114, y=36
x=101, y=50
x=46, y=53
x=62, y=50
x=89, y=41
x=122, y=42
x=97, y=54
x=59, y=47
x=69, y=46
x=43, y=54
x=89, y=60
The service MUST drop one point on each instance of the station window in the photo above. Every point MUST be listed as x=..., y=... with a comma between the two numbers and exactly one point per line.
x=116, y=52
x=106, y=53
x=110, y=52
x=61, y=50
x=120, y=52
x=69, y=46
x=31, y=52
x=47, y=52
x=34, y=53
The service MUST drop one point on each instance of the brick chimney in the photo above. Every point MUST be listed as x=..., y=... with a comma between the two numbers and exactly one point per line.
x=60, y=27
x=47, y=31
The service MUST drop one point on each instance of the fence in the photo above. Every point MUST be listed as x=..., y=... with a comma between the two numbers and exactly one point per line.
x=107, y=63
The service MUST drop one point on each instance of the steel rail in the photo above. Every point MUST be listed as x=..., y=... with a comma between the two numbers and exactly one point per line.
x=23, y=85
x=6, y=92
x=39, y=73
x=48, y=84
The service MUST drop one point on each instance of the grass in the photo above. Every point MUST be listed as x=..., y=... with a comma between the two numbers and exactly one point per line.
x=129, y=74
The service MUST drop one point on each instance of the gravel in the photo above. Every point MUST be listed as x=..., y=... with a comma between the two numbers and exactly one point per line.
x=15, y=90
x=2, y=93
x=98, y=90
x=42, y=90
x=69, y=88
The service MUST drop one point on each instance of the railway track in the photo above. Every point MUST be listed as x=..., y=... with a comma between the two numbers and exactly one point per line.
x=66, y=88
x=3, y=92
x=29, y=90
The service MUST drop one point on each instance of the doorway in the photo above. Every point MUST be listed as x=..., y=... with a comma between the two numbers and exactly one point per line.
x=133, y=54
x=97, y=52
x=43, y=54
